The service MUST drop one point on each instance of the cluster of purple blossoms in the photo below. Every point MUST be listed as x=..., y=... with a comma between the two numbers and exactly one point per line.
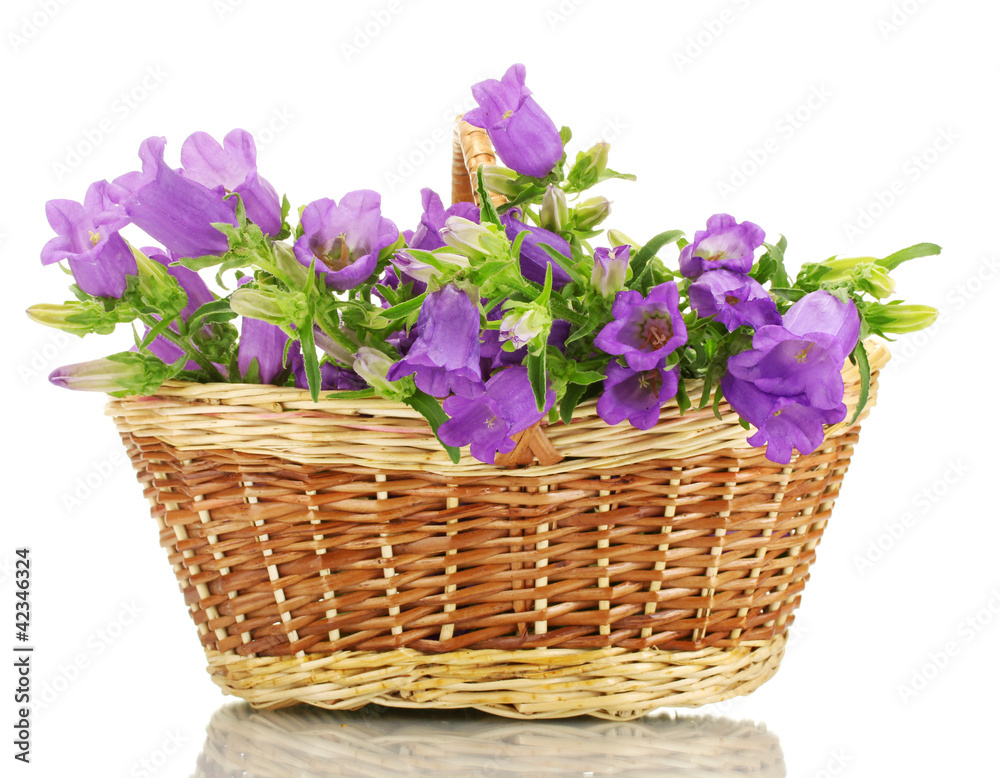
x=788, y=384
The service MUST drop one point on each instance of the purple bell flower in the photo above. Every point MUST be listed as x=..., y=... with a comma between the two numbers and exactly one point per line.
x=636, y=395
x=733, y=299
x=723, y=244
x=534, y=258
x=487, y=420
x=523, y=135
x=645, y=330
x=87, y=238
x=445, y=356
x=233, y=166
x=789, y=384
x=345, y=239
x=610, y=266
x=427, y=236
x=174, y=210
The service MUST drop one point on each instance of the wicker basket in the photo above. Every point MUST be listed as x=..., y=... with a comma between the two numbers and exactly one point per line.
x=383, y=743
x=331, y=553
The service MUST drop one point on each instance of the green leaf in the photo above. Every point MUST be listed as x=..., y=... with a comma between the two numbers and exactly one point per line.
x=313, y=375
x=538, y=378
x=431, y=409
x=564, y=263
x=403, y=309
x=569, y=402
x=683, y=401
x=788, y=293
x=561, y=310
x=488, y=211
x=351, y=394
x=859, y=357
x=893, y=261
x=217, y=311
x=641, y=260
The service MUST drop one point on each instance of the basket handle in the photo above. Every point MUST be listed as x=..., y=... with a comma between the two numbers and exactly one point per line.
x=471, y=149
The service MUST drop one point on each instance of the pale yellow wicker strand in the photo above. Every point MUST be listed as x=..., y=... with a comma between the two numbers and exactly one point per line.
x=610, y=683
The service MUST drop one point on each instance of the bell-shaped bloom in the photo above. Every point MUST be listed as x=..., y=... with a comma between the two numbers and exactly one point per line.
x=232, y=165
x=722, y=245
x=487, y=420
x=733, y=299
x=783, y=423
x=789, y=384
x=87, y=238
x=265, y=343
x=445, y=356
x=636, y=395
x=427, y=236
x=345, y=240
x=176, y=211
x=534, y=259
x=610, y=266
x=822, y=312
x=524, y=136
x=645, y=330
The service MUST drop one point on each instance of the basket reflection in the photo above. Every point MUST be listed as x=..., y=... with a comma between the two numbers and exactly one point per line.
x=382, y=742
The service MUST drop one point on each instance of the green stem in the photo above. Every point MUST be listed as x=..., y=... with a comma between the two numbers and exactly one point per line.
x=177, y=340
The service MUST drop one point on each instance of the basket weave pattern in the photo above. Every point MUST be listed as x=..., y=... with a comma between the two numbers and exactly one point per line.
x=331, y=553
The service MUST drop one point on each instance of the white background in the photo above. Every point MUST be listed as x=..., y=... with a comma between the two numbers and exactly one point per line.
x=878, y=124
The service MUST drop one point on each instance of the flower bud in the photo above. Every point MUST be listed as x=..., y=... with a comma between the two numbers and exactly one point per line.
x=258, y=304
x=475, y=241
x=76, y=318
x=373, y=366
x=619, y=238
x=405, y=262
x=592, y=212
x=129, y=372
x=525, y=325
x=610, y=266
x=500, y=180
x=158, y=287
x=284, y=258
x=331, y=347
x=555, y=212
x=597, y=158
x=900, y=319
x=875, y=280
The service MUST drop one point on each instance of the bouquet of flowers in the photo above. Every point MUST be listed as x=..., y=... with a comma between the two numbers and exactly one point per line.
x=487, y=320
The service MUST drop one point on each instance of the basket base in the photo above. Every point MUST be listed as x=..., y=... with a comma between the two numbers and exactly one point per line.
x=611, y=683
